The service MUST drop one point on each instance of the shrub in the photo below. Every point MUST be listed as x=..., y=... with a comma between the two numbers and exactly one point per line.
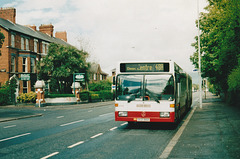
x=97, y=95
x=105, y=95
x=4, y=96
x=59, y=95
x=27, y=97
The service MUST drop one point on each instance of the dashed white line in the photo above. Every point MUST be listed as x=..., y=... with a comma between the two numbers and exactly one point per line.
x=60, y=117
x=105, y=114
x=10, y=126
x=14, y=137
x=176, y=137
x=96, y=135
x=123, y=123
x=72, y=123
x=113, y=128
x=48, y=156
x=76, y=144
x=90, y=111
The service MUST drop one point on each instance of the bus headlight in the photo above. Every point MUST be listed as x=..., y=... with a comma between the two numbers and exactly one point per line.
x=164, y=114
x=123, y=114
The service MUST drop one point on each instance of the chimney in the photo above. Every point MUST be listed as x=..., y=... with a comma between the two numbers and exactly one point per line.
x=61, y=35
x=8, y=14
x=33, y=27
x=47, y=29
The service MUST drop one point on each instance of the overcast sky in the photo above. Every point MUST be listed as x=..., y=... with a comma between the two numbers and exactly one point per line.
x=119, y=30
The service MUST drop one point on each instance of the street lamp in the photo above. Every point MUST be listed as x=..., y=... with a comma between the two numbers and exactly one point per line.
x=199, y=60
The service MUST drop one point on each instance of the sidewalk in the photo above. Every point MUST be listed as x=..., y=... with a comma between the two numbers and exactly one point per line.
x=212, y=132
x=9, y=113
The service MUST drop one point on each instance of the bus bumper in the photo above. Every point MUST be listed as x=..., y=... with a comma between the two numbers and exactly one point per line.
x=145, y=117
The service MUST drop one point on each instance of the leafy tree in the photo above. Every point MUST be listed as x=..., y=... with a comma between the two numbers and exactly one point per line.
x=2, y=37
x=60, y=64
x=220, y=38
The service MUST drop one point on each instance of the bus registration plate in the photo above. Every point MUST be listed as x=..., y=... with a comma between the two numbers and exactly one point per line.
x=143, y=119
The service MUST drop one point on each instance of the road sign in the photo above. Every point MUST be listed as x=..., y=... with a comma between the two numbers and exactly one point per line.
x=25, y=77
x=79, y=77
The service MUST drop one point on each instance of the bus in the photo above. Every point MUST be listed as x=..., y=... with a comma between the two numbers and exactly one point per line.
x=156, y=91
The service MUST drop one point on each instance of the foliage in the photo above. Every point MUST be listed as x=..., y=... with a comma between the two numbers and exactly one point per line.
x=2, y=37
x=97, y=95
x=219, y=39
x=100, y=85
x=234, y=79
x=27, y=97
x=7, y=92
x=60, y=64
x=59, y=95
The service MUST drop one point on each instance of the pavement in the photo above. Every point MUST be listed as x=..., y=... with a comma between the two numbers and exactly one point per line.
x=212, y=131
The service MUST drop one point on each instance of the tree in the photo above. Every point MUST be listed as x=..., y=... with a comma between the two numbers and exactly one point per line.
x=2, y=37
x=220, y=38
x=60, y=64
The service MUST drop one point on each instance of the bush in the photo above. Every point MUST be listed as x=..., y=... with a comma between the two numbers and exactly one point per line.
x=4, y=96
x=105, y=95
x=27, y=97
x=97, y=95
x=100, y=85
x=7, y=93
x=59, y=95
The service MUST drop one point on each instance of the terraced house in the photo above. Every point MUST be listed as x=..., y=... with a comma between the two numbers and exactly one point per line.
x=23, y=46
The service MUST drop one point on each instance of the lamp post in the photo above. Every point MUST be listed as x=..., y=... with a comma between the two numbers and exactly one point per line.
x=199, y=60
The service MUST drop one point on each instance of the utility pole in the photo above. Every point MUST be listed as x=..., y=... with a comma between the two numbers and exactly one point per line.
x=199, y=60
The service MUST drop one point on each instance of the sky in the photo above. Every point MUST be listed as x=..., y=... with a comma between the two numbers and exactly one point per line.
x=119, y=30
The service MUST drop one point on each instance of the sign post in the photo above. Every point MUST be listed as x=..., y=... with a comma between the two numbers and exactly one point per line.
x=78, y=77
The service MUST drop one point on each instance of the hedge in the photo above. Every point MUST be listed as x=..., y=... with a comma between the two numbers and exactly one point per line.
x=59, y=95
x=4, y=96
x=91, y=96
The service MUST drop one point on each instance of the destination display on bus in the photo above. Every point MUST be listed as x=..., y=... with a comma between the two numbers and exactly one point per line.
x=144, y=67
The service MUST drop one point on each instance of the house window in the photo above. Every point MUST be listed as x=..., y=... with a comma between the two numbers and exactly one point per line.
x=27, y=44
x=32, y=65
x=101, y=77
x=25, y=86
x=35, y=45
x=22, y=43
x=47, y=45
x=24, y=64
x=12, y=64
x=43, y=47
x=13, y=40
x=94, y=77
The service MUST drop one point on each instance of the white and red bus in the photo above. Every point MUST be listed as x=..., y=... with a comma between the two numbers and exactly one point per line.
x=152, y=92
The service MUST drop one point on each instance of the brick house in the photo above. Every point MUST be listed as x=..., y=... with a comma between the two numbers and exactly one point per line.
x=96, y=73
x=23, y=46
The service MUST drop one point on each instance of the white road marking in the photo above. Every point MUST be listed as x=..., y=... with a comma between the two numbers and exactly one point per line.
x=72, y=123
x=48, y=156
x=113, y=128
x=78, y=143
x=105, y=114
x=176, y=137
x=60, y=117
x=96, y=135
x=14, y=137
x=90, y=111
x=123, y=123
x=10, y=126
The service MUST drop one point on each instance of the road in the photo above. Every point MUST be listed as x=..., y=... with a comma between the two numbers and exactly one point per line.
x=83, y=133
